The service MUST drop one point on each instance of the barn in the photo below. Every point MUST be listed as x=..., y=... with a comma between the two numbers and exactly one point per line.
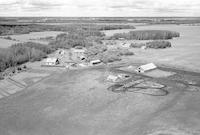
x=146, y=67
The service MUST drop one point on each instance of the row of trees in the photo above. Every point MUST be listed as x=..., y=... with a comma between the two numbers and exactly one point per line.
x=156, y=44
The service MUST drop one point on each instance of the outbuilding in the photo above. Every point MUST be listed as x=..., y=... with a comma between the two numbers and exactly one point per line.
x=146, y=67
x=126, y=45
x=112, y=78
x=94, y=62
x=51, y=61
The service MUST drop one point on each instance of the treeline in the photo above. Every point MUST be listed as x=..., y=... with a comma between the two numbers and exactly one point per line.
x=158, y=44
x=115, y=27
x=146, y=35
x=108, y=27
x=84, y=38
x=68, y=41
x=22, y=52
x=87, y=29
x=25, y=29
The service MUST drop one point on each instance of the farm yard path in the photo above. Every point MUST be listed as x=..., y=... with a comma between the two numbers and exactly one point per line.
x=78, y=102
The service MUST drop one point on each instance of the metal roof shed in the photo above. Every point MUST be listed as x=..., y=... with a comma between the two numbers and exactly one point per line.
x=146, y=67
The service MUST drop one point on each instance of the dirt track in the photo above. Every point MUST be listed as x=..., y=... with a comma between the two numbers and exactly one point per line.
x=78, y=102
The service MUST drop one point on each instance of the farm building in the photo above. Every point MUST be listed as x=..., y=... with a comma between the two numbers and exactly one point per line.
x=146, y=67
x=112, y=78
x=51, y=61
x=82, y=58
x=126, y=45
x=95, y=62
x=144, y=47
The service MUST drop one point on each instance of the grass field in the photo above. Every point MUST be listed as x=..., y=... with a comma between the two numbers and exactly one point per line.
x=78, y=102
x=4, y=43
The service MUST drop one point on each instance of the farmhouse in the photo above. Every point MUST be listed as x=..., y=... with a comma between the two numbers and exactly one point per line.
x=146, y=67
x=51, y=61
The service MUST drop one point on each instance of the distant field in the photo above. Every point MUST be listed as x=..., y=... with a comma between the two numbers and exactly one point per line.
x=4, y=43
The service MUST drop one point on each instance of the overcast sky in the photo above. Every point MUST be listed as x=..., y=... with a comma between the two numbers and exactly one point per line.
x=100, y=8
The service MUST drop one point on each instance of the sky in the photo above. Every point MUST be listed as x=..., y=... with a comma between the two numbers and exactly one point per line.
x=100, y=8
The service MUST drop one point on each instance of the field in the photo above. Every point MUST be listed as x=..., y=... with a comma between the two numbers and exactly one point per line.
x=81, y=104
x=34, y=37
x=4, y=43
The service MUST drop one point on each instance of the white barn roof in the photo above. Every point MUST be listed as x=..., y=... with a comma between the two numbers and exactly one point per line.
x=78, y=50
x=112, y=78
x=95, y=61
x=146, y=67
x=51, y=59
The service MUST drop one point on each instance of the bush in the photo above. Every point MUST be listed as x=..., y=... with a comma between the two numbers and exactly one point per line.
x=68, y=41
x=24, y=66
x=1, y=76
x=115, y=27
x=8, y=37
x=125, y=52
x=106, y=56
x=158, y=44
x=93, y=51
x=19, y=68
x=137, y=45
